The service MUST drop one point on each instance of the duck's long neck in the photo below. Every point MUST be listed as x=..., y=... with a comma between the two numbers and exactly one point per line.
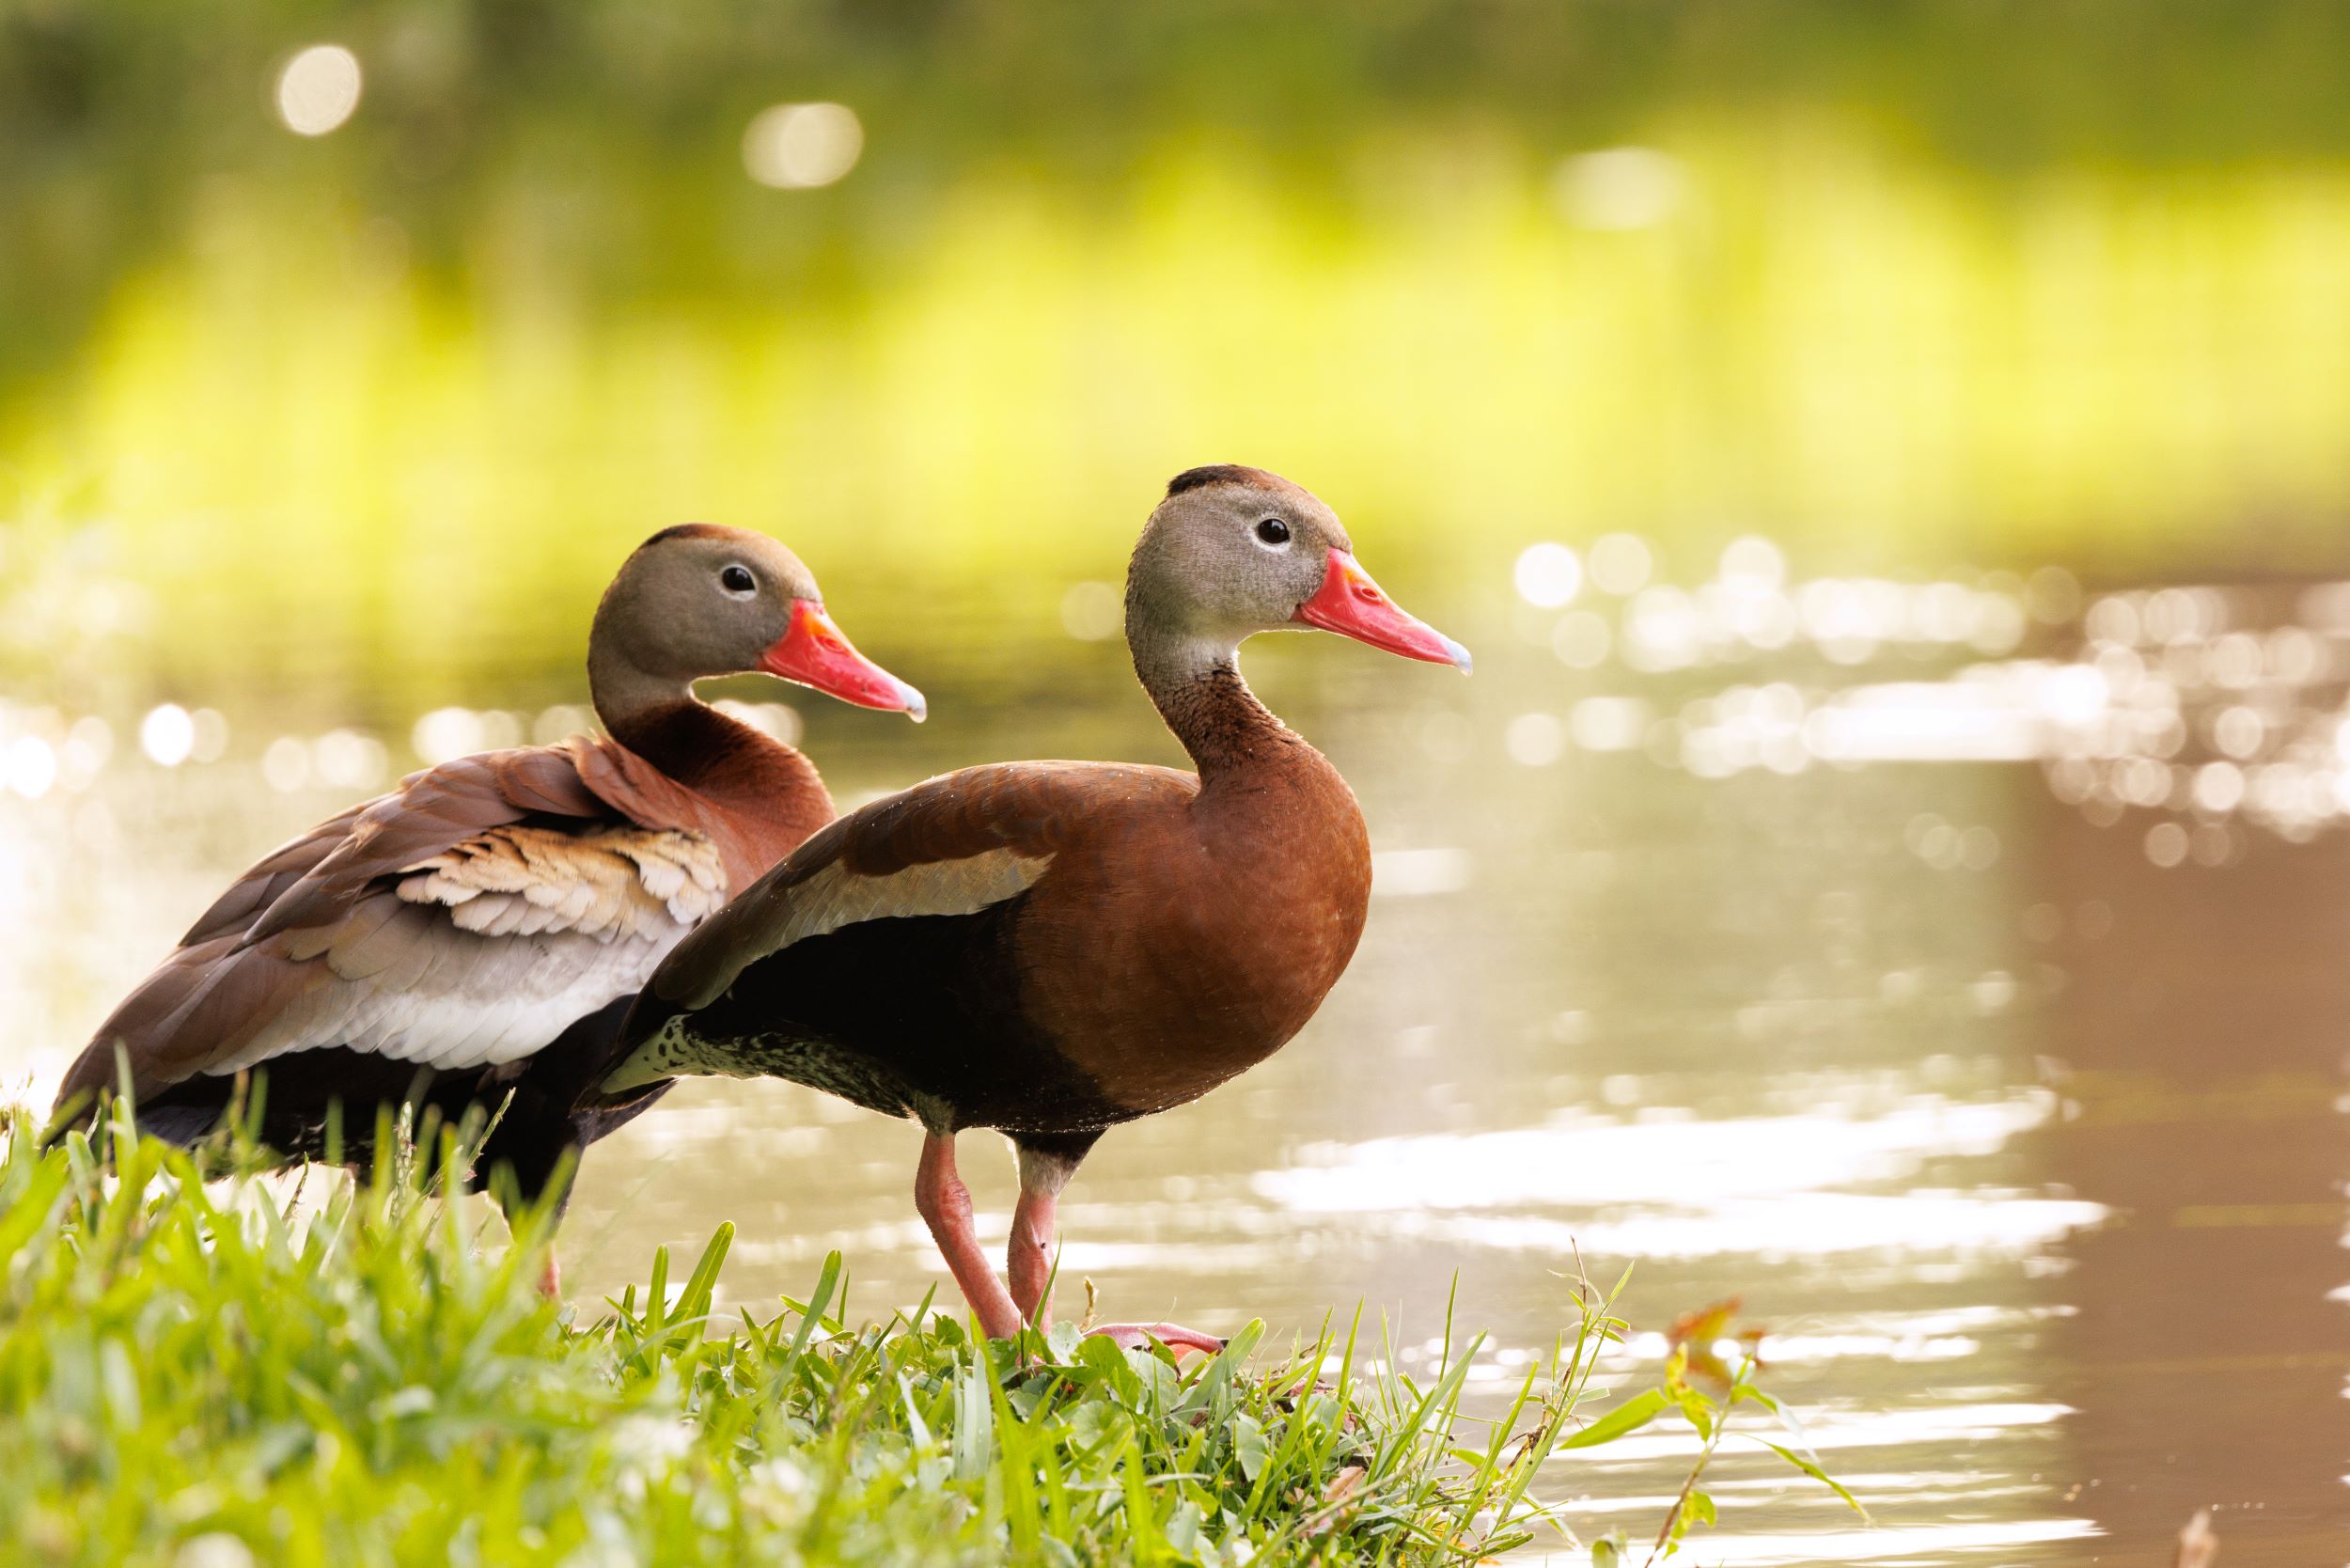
x=1195, y=684
x=720, y=758
x=1271, y=811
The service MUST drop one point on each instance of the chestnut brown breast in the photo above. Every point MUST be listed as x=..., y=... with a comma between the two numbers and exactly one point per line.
x=1186, y=945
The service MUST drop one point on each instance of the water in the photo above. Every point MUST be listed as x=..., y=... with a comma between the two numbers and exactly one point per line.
x=1954, y=974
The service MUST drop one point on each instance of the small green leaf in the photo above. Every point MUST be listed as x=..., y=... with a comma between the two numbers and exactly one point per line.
x=1250, y=1446
x=1814, y=1470
x=975, y=1419
x=1630, y=1416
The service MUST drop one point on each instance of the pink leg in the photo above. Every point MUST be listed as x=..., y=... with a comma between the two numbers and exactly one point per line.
x=1028, y=1258
x=551, y=1277
x=945, y=1205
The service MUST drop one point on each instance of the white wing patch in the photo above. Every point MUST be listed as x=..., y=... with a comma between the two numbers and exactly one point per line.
x=485, y=952
x=835, y=897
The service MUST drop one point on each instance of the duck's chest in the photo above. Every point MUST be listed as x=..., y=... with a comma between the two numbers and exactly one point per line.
x=1199, y=955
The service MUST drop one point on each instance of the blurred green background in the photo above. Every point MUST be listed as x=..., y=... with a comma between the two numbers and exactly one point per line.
x=362, y=420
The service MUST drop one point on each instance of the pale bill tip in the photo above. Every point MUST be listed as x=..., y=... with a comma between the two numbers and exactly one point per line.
x=916, y=709
x=1461, y=660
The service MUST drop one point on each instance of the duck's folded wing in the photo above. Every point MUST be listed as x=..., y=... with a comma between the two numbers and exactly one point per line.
x=461, y=920
x=955, y=845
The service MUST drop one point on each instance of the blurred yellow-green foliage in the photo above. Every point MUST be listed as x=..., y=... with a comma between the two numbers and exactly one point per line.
x=1901, y=283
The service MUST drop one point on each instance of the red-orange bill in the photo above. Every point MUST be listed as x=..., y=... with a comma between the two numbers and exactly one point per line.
x=813, y=653
x=1350, y=604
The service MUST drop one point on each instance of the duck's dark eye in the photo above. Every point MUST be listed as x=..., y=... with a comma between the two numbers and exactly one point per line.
x=1274, y=531
x=737, y=579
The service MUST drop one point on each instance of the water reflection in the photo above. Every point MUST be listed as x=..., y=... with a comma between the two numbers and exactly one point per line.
x=2023, y=1134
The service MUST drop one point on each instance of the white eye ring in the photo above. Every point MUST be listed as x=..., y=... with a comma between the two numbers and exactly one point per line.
x=1271, y=533
x=739, y=580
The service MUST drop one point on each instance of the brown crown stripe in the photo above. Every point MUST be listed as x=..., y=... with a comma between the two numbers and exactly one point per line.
x=693, y=530
x=1225, y=473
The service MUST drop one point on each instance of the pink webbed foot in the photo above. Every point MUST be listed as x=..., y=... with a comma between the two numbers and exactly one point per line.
x=1174, y=1336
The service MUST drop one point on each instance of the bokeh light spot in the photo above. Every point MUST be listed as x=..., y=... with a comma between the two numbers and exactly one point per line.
x=1535, y=740
x=1620, y=188
x=1092, y=611
x=798, y=147
x=286, y=766
x=1548, y=575
x=349, y=761
x=446, y=733
x=1621, y=563
x=1753, y=562
x=31, y=766
x=318, y=89
x=167, y=734
x=1581, y=640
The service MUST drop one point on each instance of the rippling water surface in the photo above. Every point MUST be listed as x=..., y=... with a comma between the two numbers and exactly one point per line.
x=1955, y=973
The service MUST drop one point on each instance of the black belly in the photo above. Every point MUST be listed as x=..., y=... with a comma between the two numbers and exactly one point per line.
x=915, y=1017
x=538, y=1123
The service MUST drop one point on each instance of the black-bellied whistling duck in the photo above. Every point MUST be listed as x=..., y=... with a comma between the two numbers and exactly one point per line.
x=478, y=931
x=1050, y=948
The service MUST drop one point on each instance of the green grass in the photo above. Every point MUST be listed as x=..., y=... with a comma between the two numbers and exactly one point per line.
x=207, y=1376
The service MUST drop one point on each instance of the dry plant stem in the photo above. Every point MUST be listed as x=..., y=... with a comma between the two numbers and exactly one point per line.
x=1705, y=1457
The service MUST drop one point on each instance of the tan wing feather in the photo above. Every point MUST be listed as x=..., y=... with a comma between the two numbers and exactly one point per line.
x=611, y=883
